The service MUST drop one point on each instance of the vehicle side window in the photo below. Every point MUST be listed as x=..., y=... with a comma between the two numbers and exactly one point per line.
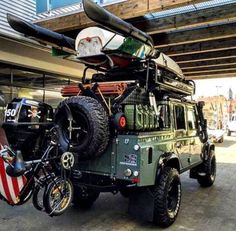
x=191, y=120
x=163, y=116
x=180, y=117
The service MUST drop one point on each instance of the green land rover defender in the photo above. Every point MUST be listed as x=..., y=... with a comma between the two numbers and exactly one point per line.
x=131, y=124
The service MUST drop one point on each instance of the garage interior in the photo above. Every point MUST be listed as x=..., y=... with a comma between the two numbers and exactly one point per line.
x=199, y=35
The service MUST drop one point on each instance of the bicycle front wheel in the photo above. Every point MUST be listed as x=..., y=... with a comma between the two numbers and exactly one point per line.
x=58, y=196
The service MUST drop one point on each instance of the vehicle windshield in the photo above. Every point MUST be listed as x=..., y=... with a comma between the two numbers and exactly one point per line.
x=127, y=45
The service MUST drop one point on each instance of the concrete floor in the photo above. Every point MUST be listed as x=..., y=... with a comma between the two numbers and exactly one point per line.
x=201, y=209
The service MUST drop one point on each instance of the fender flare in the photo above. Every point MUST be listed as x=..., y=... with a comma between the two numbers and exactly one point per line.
x=206, y=150
x=167, y=159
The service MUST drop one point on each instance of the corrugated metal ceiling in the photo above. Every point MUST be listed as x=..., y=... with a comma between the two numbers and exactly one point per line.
x=189, y=8
x=21, y=8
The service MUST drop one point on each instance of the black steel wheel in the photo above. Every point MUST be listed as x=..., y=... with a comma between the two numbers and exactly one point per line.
x=58, y=196
x=207, y=174
x=89, y=128
x=167, y=197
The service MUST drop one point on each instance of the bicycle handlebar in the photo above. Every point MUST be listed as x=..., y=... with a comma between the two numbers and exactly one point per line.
x=4, y=153
x=7, y=149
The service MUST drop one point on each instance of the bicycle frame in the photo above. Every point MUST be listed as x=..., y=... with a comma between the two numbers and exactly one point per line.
x=33, y=172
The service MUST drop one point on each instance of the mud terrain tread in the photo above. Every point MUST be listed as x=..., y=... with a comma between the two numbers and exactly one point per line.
x=98, y=119
x=161, y=216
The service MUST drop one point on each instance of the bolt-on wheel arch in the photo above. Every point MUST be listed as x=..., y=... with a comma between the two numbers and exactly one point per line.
x=173, y=163
x=90, y=126
x=168, y=160
x=167, y=197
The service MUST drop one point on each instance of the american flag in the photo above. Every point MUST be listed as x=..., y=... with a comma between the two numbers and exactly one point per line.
x=10, y=187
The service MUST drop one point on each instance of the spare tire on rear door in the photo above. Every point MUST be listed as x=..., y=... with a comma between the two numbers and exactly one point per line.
x=90, y=126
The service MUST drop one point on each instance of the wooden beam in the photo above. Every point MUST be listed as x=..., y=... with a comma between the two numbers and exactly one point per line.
x=126, y=9
x=212, y=76
x=200, y=47
x=208, y=68
x=208, y=16
x=208, y=63
x=205, y=56
x=212, y=72
x=195, y=35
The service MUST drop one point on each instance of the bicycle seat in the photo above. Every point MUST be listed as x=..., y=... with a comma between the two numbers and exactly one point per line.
x=18, y=166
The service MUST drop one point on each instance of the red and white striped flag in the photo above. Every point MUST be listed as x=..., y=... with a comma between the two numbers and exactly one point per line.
x=10, y=187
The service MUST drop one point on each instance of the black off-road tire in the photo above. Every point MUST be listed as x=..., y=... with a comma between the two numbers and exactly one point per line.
x=208, y=169
x=84, y=200
x=228, y=132
x=167, y=197
x=89, y=115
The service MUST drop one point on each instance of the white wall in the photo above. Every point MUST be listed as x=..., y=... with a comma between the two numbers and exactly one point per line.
x=24, y=9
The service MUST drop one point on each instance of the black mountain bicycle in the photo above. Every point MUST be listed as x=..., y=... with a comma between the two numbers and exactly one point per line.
x=50, y=188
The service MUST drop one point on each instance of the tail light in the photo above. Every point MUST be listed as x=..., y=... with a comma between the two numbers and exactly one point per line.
x=120, y=121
